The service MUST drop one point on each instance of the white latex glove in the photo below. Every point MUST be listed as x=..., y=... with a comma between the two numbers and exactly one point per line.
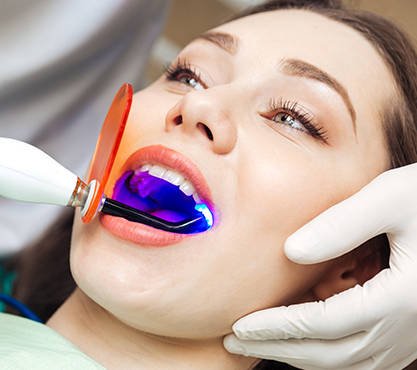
x=369, y=327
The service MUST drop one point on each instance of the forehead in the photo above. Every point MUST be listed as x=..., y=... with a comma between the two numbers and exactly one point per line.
x=300, y=33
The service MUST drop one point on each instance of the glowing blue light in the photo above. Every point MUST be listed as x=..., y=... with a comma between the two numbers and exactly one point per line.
x=206, y=212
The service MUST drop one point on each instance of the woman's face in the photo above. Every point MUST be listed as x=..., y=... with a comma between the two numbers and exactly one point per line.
x=273, y=118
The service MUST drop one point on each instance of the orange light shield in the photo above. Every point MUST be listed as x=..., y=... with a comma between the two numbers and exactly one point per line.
x=107, y=146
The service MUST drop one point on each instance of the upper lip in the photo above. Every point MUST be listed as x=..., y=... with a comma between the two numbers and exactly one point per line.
x=171, y=159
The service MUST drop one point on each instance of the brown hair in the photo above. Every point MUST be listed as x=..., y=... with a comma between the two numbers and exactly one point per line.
x=44, y=280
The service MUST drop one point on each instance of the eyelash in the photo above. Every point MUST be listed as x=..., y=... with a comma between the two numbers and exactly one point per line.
x=182, y=68
x=293, y=110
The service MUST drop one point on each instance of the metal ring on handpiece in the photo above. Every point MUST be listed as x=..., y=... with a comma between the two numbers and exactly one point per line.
x=79, y=195
x=91, y=199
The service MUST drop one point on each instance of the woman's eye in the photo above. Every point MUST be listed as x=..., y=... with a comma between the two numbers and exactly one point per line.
x=183, y=72
x=289, y=120
x=290, y=114
x=191, y=81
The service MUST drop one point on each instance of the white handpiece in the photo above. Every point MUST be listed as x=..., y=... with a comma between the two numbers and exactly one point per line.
x=29, y=175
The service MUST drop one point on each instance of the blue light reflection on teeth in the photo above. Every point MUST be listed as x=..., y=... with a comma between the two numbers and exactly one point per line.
x=206, y=212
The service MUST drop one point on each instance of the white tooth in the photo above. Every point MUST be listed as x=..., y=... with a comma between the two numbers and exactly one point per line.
x=187, y=188
x=157, y=171
x=173, y=177
x=196, y=198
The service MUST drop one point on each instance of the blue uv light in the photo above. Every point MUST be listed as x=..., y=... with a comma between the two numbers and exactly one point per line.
x=206, y=212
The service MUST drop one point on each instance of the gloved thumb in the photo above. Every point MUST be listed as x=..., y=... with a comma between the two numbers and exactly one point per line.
x=374, y=210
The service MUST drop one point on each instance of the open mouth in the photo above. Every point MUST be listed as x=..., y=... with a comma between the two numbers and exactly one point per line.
x=162, y=193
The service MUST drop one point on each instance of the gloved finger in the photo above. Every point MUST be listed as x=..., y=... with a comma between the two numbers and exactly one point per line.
x=319, y=354
x=339, y=316
x=375, y=209
x=307, y=353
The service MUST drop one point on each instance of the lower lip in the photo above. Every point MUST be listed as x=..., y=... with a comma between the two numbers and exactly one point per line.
x=138, y=233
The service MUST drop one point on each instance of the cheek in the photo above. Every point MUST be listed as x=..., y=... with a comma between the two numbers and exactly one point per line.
x=98, y=262
x=283, y=198
x=85, y=257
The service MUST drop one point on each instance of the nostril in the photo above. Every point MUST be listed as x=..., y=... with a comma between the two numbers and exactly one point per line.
x=208, y=132
x=178, y=120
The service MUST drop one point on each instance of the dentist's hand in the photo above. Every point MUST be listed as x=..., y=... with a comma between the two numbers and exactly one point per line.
x=369, y=327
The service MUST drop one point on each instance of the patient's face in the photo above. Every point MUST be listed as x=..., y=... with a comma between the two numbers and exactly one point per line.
x=269, y=141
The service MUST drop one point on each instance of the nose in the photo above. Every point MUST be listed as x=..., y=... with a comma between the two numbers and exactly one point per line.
x=205, y=115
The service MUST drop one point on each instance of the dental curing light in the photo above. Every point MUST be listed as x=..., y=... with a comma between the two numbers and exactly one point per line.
x=28, y=174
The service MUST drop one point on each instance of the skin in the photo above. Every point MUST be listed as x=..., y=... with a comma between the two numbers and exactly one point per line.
x=166, y=308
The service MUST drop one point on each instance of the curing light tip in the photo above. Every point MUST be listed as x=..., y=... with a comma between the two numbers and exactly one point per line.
x=206, y=212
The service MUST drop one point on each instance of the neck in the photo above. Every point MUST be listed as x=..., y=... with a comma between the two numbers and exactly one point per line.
x=117, y=346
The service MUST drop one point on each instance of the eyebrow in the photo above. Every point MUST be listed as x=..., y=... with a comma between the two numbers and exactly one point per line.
x=226, y=41
x=300, y=68
x=290, y=67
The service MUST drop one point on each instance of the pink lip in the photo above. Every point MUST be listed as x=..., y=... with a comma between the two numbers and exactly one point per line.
x=146, y=235
x=138, y=233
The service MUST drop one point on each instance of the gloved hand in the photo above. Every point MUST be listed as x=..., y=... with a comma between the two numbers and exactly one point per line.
x=369, y=327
